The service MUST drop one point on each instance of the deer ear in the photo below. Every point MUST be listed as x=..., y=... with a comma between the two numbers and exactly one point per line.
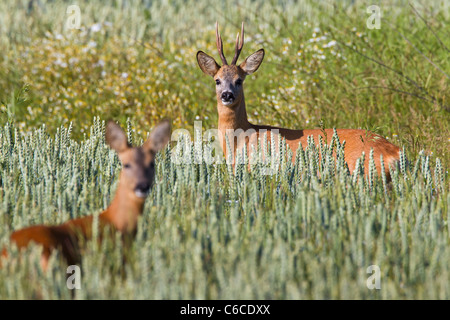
x=116, y=137
x=159, y=137
x=252, y=63
x=207, y=64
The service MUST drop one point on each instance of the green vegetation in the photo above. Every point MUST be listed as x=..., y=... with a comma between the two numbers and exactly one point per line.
x=309, y=231
x=136, y=59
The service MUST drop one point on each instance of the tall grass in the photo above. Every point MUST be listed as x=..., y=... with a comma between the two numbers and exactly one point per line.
x=310, y=230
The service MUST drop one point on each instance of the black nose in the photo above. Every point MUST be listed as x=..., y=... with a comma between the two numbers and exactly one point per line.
x=143, y=186
x=227, y=96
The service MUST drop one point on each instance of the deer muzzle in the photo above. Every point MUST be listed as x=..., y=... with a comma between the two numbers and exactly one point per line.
x=227, y=97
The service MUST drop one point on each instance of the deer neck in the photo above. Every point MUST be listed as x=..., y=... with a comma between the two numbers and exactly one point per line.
x=124, y=210
x=233, y=118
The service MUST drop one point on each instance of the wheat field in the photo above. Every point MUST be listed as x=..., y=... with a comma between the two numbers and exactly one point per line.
x=310, y=230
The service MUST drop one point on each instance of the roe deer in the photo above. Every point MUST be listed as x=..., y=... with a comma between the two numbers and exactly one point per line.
x=234, y=123
x=135, y=181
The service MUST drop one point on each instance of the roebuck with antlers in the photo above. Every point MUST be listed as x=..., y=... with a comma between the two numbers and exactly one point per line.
x=233, y=121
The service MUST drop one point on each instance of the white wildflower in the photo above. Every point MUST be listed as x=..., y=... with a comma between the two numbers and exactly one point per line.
x=96, y=27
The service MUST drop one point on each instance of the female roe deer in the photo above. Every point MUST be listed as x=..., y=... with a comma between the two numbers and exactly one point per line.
x=135, y=181
x=233, y=121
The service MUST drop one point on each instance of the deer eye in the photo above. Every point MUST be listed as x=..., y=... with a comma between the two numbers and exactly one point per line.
x=152, y=165
x=127, y=166
x=238, y=82
x=217, y=82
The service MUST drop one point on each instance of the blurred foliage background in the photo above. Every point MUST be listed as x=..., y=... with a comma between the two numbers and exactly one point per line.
x=136, y=59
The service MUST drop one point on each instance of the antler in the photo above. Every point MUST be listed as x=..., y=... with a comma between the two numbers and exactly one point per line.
x=220, y=45
x=238, y=46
